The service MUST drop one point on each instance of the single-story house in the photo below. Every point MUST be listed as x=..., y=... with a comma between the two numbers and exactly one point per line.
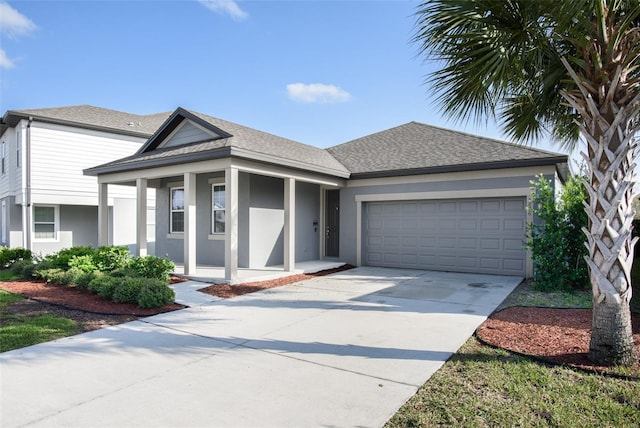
x=414, y=196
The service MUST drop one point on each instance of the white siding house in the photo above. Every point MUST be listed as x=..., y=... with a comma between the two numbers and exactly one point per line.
x=46, y=202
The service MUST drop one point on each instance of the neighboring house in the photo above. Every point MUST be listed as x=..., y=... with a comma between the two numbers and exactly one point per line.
x=414, y=196
x=46, y=202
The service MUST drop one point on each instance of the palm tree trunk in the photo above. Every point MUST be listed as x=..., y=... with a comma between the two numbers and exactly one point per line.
x=610, y=247
x=609, y=132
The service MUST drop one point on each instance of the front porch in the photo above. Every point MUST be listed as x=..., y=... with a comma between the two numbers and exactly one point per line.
x=187, y=292
x=216, y=274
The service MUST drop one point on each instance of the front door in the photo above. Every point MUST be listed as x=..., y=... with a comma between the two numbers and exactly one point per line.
x=332, y=222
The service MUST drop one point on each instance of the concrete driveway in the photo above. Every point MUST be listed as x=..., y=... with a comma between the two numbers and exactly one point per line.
x=342, y=350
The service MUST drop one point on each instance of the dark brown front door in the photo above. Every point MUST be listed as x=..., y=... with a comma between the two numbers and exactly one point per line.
x=332, y=221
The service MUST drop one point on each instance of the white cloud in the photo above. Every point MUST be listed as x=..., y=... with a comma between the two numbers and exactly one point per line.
x=13, y=23
x=229, y=7
x=5, y=62
x=317, y=93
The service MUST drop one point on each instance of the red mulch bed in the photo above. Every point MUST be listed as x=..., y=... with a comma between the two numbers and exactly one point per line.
x=227, y=291
x=72, y=297
x=559, y=336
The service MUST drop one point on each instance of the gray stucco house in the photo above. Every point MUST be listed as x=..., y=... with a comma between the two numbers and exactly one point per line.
x=414, y=196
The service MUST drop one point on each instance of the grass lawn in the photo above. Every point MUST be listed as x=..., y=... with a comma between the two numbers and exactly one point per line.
x=17, y=331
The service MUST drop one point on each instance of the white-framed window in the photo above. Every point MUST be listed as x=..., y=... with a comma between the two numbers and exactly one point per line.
x=176, y=208
x=18, y=149
x=3, y=156
x=45, y=222
x=3, y=238
x=218, y=208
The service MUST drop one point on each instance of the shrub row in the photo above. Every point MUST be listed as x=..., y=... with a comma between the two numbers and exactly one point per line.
x=10, y=256
x=109, y=271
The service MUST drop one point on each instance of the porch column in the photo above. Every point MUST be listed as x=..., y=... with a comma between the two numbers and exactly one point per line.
x=189, y=223
x=231, y=225
x=289, y=224
x=103, y=214
x=141, y=217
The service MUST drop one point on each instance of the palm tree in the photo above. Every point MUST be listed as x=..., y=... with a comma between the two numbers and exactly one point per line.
x=568, y=70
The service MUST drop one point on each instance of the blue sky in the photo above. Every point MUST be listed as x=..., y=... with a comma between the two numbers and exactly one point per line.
x=320, y=72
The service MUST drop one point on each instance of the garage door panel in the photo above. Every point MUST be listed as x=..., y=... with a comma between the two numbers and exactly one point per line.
x=469, y=235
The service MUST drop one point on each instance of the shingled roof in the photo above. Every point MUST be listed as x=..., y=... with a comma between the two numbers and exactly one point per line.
x=415, y=148
x=236, y=141
x=90, y=117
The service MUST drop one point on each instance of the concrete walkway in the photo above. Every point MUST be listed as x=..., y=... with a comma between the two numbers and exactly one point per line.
x=342, y=350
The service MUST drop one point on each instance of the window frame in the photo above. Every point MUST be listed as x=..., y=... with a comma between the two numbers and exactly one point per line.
x=3, y=157
x=218, y=184
x=172, y=211
x=55, y=223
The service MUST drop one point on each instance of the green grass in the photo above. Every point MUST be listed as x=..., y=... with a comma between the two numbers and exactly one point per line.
x=7, y=275
x=18, y=331
x=7, y=298
x=481, y=386
x=25, y=331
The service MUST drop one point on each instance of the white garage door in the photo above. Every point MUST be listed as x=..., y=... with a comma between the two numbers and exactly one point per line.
x=461, y=235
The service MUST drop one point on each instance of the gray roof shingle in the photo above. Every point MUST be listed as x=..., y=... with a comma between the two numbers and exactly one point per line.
x=416, y=146
x=241, y=142
x=87, y=116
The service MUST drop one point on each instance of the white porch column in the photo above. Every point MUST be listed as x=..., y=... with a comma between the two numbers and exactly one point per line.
x=141, y=217
x=289, y=224
x=189, y=223
x=103, y=214
x=231, y=225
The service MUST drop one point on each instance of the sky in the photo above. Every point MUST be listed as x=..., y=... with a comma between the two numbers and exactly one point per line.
x=320, y=72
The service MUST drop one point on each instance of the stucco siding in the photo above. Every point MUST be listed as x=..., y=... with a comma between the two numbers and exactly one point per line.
x=456, y=188
x=266, y=220
x=78, y=226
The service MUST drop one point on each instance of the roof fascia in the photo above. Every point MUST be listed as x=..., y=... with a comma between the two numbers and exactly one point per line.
x=463, y=167
x=110, y=168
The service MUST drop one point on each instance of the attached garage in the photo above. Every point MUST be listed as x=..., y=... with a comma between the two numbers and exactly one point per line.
x=481, y=235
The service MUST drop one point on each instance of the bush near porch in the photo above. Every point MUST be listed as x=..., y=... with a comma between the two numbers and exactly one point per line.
x=109, y=271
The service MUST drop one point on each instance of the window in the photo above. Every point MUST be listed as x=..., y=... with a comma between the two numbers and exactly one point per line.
x=177, y=210
x=3, y=238
x=217, y=208
x=3, y=155
x=18, y=148
x=44, y=222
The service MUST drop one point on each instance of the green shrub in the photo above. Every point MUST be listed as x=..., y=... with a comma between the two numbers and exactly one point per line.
x=111, y=257
x=128, y=290
x=23, y=268
x=104, y=286
x=557, y=242
x=82, y=280
x=155, y=294
x=52, y=275
x=153, y=267
x=9, y=256
x=62, y=258
x=72, y=276
x=84, y=263
x=124, y=272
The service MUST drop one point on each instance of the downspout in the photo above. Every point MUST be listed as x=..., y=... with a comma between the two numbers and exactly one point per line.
x=26, y=190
